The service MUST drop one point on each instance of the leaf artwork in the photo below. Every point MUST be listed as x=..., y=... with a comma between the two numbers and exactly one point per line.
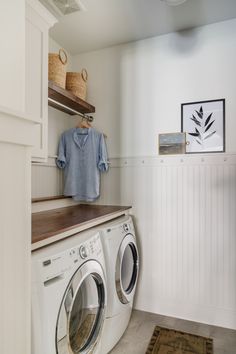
x=203, y=126
x=199, y=142
x=208, y=127
x=195, y=120
x=210, y=134
x=208, y=119
x=200, y=112
x=194, y=134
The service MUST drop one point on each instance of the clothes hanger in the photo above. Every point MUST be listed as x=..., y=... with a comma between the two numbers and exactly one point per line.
x=84, y=123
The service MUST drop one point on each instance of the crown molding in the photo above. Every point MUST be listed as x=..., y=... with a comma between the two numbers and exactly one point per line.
x=42, y=12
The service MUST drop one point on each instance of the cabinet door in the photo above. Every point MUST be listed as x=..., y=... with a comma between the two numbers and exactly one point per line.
x=37, y=80
x=12, y=68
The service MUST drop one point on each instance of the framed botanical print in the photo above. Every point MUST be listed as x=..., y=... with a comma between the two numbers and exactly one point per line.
x=204, y=124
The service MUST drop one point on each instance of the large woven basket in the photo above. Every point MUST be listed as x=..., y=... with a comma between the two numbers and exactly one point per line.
x=77, y=83
x=57, y=68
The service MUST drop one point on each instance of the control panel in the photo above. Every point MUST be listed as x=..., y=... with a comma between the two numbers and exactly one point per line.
x=59, y=264
x=127, y=228
x=83, y=252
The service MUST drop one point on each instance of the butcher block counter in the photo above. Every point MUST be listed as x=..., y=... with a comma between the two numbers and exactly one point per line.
x=54, y=225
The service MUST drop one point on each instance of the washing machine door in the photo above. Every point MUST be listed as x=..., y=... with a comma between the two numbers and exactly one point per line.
x=127, y=265
x=82, y=311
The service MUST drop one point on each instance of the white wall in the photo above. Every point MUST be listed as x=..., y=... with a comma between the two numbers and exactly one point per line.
x=138, y=88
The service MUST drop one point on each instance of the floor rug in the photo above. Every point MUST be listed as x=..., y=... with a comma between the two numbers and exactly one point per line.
x=169, y=341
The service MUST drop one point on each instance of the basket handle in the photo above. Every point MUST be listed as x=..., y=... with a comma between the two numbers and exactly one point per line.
x=84, y=75
x=64, y=61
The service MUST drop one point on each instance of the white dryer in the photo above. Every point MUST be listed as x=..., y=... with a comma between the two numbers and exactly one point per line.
x=68, y=296
x=122, y=267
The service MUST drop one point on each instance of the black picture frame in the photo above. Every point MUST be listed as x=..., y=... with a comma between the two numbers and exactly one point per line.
x=200, y=123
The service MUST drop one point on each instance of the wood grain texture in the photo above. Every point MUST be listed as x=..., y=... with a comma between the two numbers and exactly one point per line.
x=68, y=99
x=49, y=223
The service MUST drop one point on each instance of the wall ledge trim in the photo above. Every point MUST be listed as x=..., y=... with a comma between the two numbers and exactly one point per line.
x=155, y=160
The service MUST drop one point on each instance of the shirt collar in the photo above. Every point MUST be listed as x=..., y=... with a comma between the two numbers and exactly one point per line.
x=82, y=131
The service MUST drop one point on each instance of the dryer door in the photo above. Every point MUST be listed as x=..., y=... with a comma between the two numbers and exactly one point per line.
x=127, y=265
x=82, y=310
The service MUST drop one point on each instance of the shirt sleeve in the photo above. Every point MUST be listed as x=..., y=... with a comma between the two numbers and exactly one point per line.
x=103, y=157
x=61, y=158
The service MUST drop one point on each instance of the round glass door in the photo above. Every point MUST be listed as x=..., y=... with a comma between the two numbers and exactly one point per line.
x=81, y=313
x=127, y=269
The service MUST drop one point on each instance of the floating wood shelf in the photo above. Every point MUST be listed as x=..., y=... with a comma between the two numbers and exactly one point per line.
x=67, y=102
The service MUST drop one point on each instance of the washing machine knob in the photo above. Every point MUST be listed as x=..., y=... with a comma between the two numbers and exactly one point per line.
x=83, y=252
x=126, y=228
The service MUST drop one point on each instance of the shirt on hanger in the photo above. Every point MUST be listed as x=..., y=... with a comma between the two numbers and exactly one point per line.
x=82, y=154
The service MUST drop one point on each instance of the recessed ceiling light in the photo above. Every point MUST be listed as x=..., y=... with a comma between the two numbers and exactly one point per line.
x=63, y=7
x=67, y=7
x=173, y=2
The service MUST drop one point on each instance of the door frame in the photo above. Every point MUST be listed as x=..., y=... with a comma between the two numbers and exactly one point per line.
x=89, y=268
x=126, y=296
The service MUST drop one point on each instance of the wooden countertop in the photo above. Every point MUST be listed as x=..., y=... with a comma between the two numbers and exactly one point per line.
x=52, y=225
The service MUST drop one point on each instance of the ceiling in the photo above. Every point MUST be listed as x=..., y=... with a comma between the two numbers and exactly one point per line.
x=111, y=22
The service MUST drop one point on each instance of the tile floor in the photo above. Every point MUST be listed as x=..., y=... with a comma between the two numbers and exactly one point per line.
x=136, y=338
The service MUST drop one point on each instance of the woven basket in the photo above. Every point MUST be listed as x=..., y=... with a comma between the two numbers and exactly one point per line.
x=77, y=83
x=57, y=68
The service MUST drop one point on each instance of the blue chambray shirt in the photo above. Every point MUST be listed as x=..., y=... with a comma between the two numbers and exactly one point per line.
x=82, y=154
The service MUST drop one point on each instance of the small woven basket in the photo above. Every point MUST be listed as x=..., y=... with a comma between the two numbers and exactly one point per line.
x=77, y=83
x=57, y=68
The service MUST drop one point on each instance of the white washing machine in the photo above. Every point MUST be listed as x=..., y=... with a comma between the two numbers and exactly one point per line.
x=122, y=266
x=68, y=296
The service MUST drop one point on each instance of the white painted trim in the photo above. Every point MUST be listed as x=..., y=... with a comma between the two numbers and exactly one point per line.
x=43, y=12
x=216, y=316
x=39, y=153
x=16, y=114
x=188, y=159
x=39, y=161
x=49, y=162
x=52, y=204
x=15, y=130
x=82, y=227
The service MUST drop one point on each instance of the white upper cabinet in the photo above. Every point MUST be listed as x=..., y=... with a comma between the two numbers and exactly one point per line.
x=12, y=68
x=38, y=22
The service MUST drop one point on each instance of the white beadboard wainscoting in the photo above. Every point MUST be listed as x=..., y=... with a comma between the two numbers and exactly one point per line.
x=185, y=213
x=47, y=179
